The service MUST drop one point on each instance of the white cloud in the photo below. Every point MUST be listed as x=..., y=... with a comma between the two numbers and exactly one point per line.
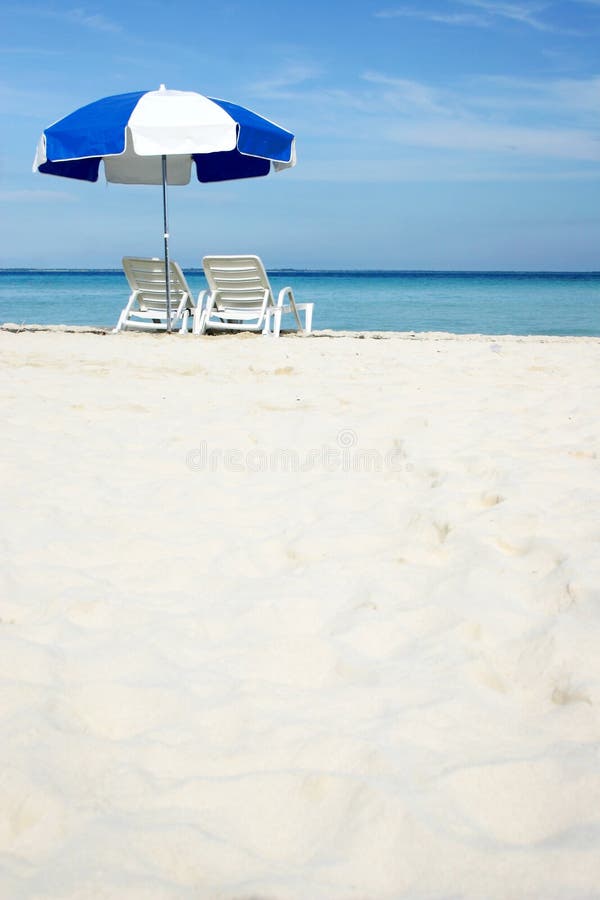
x=481, y=124
x=477, y=136
x=561, y=99
x=289, y=75
x=578, y=94
x=547, y=119
x=74, y=16
x=96, y=21
x=485, y=14
x=526, y=13
x=406, y=94
x=444, y=18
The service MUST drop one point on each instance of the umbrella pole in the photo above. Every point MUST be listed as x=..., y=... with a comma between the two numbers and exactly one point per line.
x=166, y=236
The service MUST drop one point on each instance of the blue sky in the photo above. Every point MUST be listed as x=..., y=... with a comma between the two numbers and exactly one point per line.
x=438, y=134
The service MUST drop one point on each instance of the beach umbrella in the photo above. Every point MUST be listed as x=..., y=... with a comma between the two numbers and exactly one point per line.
x=153, y=137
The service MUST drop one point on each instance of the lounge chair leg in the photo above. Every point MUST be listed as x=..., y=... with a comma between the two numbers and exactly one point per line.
x=308, y=318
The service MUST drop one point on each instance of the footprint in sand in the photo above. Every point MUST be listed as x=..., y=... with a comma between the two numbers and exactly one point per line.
x=512, y=549
x=583, y=454
x=489, y=500
x=443, y=530
x=32, y=816
x=564, y=694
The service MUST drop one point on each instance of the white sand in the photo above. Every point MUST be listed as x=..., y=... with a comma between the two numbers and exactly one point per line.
x=219, y=681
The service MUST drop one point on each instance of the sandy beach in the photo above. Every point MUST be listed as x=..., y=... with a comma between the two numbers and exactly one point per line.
x=306, y=619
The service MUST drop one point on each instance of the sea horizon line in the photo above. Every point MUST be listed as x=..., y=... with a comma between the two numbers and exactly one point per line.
x=289, y=270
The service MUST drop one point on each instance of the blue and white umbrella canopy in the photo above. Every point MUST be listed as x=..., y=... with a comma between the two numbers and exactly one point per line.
x=130, y=133
x=153, y=137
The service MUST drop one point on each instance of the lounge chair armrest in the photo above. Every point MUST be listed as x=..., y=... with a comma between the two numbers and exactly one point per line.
x=286, y=291
x=125, y=311
x=132, y=298
x=294, y=308
x=200, y=312
x=307, y=308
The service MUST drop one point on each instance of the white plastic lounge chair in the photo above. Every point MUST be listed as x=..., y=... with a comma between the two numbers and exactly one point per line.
x=240, y=298
x=147, y=306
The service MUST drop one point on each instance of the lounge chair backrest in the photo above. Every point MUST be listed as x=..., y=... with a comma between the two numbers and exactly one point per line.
x=238, y=282
x=147, y=276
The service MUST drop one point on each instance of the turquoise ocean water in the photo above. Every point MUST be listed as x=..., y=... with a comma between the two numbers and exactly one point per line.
x=460, y=302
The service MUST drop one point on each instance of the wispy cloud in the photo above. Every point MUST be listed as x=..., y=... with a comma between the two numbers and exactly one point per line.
x=525, y=13
x=484, y=14
x=576, y=100
x=289, y=75
x=493, y=101
x=546, y=119
x=444, y=18
x=405, y=94
x=77, y=15
x=477, y=127
x=478, y=136
x=96, y=21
